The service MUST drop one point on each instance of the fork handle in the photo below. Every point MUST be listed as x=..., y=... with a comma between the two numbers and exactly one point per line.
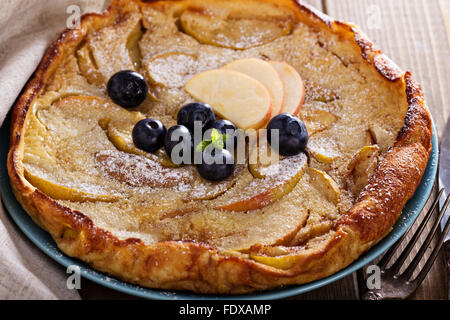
x=447, y=265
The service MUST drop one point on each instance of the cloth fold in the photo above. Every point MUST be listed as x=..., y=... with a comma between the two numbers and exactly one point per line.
x=27, y=27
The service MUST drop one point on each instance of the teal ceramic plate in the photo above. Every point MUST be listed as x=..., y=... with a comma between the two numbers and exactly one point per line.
x=43, y=240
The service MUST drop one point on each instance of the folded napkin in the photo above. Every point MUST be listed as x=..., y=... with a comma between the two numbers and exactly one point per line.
x=27, y=27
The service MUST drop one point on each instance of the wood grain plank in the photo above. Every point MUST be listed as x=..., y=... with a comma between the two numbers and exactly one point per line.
x=414, y=34
x=444, y=5
x=343, y=289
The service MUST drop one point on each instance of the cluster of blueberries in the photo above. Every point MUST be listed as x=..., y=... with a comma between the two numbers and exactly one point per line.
x=129, y=89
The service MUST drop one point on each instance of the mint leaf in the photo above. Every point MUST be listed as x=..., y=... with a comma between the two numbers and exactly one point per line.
x=215, y=135
x=217, y=140
x=225, y=137
x=218, y=144
x=202, y=145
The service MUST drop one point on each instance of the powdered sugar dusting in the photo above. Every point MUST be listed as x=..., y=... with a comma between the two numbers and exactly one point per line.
x=139, y=171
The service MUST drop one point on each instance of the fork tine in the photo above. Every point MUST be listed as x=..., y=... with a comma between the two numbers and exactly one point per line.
x=396, y=266
x=410, y=270
x=433, y=256
x=390, y=253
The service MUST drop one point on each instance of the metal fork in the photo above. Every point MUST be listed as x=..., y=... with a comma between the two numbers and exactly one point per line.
x=400, y=286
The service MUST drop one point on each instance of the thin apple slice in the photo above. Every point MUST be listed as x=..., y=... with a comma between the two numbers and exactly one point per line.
x=61, y=192
x=361, y=168
x=138, y=171
x=325, y=184
x=279, y=262
x=87, y=66
x=261, y=157
x=377, y=132
x=259, y=193
x=235, y=30
x=369, y=139
x=278, y=257
x=171, y=70
x=110, y=46
x=119, y=133
x=267, y=75
x=380, y=136
x=234, y=96
x=323, y=150
x=317, y=120
x=294, y=88
x=208, y=190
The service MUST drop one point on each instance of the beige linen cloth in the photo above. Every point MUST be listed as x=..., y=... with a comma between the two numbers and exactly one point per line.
x=27, y=27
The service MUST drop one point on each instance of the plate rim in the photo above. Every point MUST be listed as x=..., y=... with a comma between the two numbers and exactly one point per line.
x=37, y=236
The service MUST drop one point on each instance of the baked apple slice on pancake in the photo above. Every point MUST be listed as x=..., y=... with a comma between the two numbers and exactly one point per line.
x=42, y=171
x=317, y=120
x=266, y=74
x=325, y=185
x=323, y=150
x=120, y=39
x=261, y=156
x=294, y=88
x=232, y=95
x=280, y=178
x=231, y=28
x=119, y=133
x=201, y=189
x=171, y=70
x=361, y=167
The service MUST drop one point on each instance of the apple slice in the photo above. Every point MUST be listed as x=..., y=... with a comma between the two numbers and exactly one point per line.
x=208, y=190
x=171, y=69
x=362, y=167
x=119, y=133
x=369, y=139
x=261, y=157
x=323, y=150
x=118, y=39
x=137, y=171
x=232, y=28
x=234, y=96
x=278, y=257
x=267, y=75
x=325, y=184
x=380, y=136
x=294, y=88
x=61, y=192
x=317, y=120
x=259, y=193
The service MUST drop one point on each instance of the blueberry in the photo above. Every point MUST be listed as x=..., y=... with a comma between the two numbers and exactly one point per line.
x=148, y=135
x=224, y=127
x=196, y=111
x=216, y=165
x=127, y=88
x=293, y=136
x=176, y=135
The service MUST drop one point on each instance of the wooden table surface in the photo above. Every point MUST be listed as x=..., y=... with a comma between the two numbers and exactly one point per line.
x=416, y=35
